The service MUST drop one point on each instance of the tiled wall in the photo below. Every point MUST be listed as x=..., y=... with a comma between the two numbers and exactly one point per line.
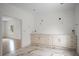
x=54, y=40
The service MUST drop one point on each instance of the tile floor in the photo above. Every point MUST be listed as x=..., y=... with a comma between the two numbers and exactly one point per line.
x=44, y=51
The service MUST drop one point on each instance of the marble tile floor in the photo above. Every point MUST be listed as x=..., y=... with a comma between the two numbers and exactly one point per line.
x=43, y=51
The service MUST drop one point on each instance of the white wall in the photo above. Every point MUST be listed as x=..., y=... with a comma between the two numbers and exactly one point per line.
x=0, y=37
x=16, y=23
x=25, y=16
x=77, y=25
x=51, y=23
x=47, y=22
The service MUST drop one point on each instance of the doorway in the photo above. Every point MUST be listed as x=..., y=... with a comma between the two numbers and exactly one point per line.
x=11, y=35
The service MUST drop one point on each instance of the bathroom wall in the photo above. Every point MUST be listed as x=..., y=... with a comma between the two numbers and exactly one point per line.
x=77, y=25
x=0, y=37
x=25, y=16
x=55, y=18
x=66, y=41
x=16, y=32
x=54, y=25
x=4, y=28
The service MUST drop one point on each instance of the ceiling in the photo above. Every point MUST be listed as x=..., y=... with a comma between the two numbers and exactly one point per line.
x=42, y=8
x=45, y=7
